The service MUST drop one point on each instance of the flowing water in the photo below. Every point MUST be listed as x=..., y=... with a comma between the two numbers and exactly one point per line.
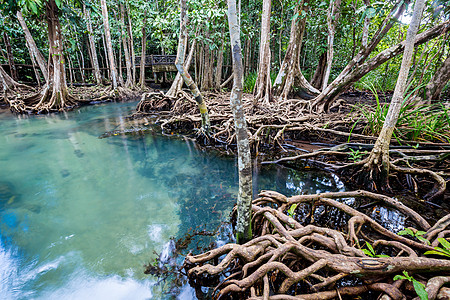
x=80, y=215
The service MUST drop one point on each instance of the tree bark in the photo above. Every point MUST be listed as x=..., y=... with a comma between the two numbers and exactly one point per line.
x=360, y=70
x=143, y=53
x=437, y=83
x=379, y=156
x=112, y=65
x=333, y=16
x=92, y=48
x=263, y=85
x=245, y=196
x=290, y=68
x=129, y=81
x=321, y=101
x=179, y=63
x=9, y=55
x=218, y=74
x=131, y=46
x=33, y=48
x=365, y=32
x=177, y=83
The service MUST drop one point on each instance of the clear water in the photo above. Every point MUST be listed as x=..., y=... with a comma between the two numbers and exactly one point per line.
x=80, y=216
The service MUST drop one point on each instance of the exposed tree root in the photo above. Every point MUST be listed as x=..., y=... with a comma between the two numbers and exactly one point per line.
x=304, y=255
x=409, y=167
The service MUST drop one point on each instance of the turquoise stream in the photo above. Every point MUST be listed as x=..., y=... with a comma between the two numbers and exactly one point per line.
x=80, y=216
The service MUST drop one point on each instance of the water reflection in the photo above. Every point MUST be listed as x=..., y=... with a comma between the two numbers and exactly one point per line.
x=80, y=216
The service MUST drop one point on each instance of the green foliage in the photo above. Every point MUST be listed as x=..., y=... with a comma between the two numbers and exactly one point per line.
x=371, y=252
x=418, y=286
x=417, y=234
x=291, y=210
x=356, y=155
x=441, y=251
x=249, y=82
x=416, y=122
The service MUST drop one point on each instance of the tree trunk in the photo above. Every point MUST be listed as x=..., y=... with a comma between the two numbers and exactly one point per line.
x=92, y=48
x=317, y=79
x=9, y=55
x=177, y=83
x=129, y=81
x=322, y=101
x=131, y=46
x=290, y=68
x=438, y=81
x=332, y=19
x=360, y=70
x=378, y=160
x=112, y=65
x=365, y=32
x=143, y=51
x=207, y=74
x=218, y=74
x=179, y=63
x=7, y=83
x=263, y=85
x=33, y=48
x=245, y=196
x=33, y=63
x=55, y=95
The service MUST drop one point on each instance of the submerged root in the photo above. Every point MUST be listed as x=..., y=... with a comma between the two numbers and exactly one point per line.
x=300, y=254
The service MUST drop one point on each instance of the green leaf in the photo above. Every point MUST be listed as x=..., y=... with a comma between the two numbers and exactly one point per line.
x=369, y=246
x=58, y=3
x=407, y=231
x=382, y=255
x=420, y=290
x=422, y=239
x=399, y=277
x=435, y=253
x=444, y=243
x=418, y=232
x=367, y=252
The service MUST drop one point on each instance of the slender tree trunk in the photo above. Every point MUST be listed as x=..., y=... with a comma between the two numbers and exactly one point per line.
x=437, y=83
x=379, y=156
x=143, y=51
x=179, y=63
x=317, y=79
x=33, y=63
x=131, y=46
x=33, y=48
x=360, y=70
x=128, y=82
x=290, y=68
x=245, y=196
x=332, y=19
x=263, y=85
x=108, y=73
x=112, y=65
x=177, y=84
x=92, y=48
x=321, y=101
x=218, y=75
x=9, y=55
x=365, y=32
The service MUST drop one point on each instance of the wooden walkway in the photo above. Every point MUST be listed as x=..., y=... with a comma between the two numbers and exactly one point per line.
x=158, y=63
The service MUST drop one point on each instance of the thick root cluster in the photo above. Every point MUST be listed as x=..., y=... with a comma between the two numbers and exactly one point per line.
x=324, y=246
x=268, y=125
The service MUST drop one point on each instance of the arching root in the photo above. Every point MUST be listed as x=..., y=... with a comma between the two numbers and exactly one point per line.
x=304, y=256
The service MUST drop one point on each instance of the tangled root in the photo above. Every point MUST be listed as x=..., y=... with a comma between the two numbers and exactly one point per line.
x=302, y=255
